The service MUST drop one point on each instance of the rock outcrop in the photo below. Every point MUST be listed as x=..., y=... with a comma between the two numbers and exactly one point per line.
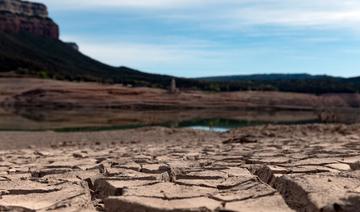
x=73, y=45
x=22, y=16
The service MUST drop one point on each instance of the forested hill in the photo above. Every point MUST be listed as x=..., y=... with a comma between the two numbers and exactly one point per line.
x=270, y=77
x=304, y=83
x=31, y=55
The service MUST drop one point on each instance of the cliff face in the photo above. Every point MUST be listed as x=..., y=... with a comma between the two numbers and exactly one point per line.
x=21, y=16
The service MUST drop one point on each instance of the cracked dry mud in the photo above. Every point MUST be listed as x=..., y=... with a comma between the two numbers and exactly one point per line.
x=270, y=168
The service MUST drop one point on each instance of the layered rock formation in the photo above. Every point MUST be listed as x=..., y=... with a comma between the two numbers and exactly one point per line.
x=21, y=16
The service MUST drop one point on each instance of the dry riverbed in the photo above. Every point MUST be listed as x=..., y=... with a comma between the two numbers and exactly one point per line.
x=267, y=168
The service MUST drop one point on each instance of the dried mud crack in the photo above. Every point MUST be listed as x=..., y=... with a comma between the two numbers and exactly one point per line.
x=272, y=168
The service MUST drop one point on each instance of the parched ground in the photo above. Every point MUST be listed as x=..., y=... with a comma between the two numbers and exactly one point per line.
x=269, y=168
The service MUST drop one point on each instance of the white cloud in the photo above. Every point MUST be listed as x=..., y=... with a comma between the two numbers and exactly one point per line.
x=301, y=17
x=234, y=13
x=147, y=55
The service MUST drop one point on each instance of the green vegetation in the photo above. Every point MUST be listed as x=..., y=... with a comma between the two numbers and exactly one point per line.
x=52, y=59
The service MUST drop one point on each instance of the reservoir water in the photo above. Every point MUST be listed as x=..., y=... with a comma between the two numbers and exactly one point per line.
x=96, y=120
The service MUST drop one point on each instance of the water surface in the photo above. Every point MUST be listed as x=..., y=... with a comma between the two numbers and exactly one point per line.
x=215, y=120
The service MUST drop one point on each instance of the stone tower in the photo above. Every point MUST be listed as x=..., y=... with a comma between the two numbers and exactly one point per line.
x=173, y=88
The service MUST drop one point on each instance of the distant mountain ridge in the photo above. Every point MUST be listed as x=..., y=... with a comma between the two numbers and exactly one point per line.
x=303, y=83
x=270, y=77
x=355, y=79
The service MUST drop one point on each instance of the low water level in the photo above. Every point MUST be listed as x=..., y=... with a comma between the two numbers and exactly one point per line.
x=96, y=120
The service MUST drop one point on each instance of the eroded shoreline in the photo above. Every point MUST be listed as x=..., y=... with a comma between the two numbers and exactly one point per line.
x=267, y=168
x=52, y=94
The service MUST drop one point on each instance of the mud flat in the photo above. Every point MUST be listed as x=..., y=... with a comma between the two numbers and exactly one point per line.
x=268, y=168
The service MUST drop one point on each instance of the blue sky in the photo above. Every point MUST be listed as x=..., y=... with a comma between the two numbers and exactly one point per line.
x=193, y=38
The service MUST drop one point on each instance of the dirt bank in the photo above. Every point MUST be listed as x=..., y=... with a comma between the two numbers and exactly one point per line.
x=26, y=92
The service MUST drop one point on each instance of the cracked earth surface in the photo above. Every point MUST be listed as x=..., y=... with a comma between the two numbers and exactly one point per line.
x=268, y=168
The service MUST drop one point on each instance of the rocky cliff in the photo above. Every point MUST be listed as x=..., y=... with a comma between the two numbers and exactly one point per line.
x=22, y=16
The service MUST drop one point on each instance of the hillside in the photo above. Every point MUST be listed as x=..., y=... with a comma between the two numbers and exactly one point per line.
x=303, y=83
x=27, y=54
x=267, y=77
x=354, y=80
